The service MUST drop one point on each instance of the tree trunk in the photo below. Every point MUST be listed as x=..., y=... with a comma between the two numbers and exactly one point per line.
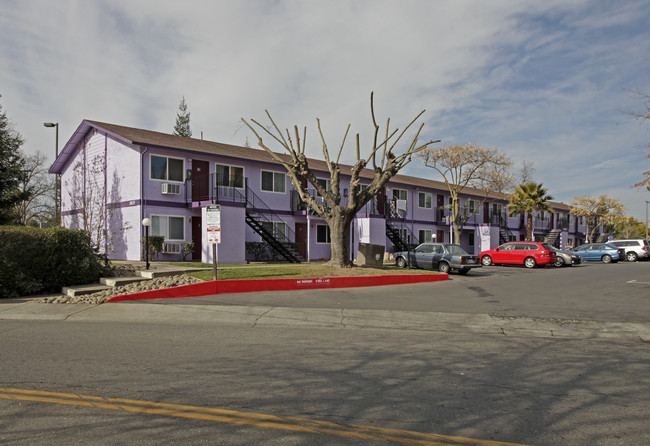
x=529, y=227
x=340, y=241
x=455, y=218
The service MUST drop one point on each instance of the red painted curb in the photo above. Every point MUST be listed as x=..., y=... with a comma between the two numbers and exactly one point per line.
x=252, y=285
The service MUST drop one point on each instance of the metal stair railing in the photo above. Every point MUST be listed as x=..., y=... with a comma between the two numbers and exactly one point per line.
x=395, y=231
x=505, y=234
x=257, y=213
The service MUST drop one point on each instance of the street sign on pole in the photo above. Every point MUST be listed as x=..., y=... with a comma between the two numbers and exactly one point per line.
x=213, y=223
x=213, y=228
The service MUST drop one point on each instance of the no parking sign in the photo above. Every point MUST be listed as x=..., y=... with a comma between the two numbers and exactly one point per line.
x=213, y=223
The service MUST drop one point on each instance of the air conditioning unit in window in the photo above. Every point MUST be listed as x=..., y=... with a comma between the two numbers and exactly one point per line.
x=171, y=248
x=171, y=189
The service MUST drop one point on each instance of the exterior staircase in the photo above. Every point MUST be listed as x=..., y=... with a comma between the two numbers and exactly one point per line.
x=395, y=230
x=552, y=237
x=505, y=234
x=261, y=219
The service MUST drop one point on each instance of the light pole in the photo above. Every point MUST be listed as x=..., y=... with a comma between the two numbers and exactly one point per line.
x=57, y=209
x=646, y=219
x=146, y=223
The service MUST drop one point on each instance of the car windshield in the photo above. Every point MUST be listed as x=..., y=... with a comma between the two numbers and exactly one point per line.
x=456, y=250
x=549, y=247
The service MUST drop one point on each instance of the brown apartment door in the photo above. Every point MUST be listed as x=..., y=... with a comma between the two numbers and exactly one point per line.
x=440, y=205
x=200, y=181
x=197, y=238
x=301, y=239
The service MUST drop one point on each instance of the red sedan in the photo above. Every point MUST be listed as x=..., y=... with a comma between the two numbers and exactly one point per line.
x=529, y=254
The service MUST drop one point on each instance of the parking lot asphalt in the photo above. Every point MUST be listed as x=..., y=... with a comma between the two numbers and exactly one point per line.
x=591, y=300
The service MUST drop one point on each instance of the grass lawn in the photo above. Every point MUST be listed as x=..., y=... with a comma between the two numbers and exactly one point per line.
x=291, y=270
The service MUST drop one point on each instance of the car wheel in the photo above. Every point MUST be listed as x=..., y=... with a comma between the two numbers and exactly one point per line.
x=462, y=272
x=530, y=262
x=559, y=262
x=486, y=260
x=631, y=256
x=443, y=267
x=401, y=262
x=606, y=258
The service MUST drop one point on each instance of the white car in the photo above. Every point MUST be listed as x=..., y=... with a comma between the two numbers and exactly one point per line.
x=635, y=249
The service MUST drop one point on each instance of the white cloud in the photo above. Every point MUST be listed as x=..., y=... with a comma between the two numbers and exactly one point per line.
x=543, y=81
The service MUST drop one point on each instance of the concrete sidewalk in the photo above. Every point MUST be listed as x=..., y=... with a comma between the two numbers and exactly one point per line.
x=269, y=316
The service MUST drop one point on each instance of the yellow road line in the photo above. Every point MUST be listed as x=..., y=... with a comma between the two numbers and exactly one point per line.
x=245, y=418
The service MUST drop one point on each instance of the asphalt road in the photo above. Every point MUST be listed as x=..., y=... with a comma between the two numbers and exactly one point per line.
x=80, y=382
x=591, y=291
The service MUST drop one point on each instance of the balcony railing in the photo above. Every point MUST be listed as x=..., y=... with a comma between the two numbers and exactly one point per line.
x=209, y=188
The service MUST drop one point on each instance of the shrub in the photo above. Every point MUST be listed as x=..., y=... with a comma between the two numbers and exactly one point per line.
x=156, y=243
x=187, y=249
x=34, y=260
x=257, y=251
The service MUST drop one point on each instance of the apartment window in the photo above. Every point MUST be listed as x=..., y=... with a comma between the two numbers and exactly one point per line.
x=326, y=183
x=166, y=168
x=169, y=226
x=472, y=205
x=323, y=234
x=399, y=194
x=231, y=176
x=425, y=200
x=425, y=235
x=273, y=182
x=543, y=216
x=277, y=228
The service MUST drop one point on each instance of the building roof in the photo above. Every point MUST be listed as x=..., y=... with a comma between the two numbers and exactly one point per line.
x=136, y=136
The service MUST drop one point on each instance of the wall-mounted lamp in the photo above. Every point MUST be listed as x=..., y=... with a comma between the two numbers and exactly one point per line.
x=345, y=192
x=188, y=175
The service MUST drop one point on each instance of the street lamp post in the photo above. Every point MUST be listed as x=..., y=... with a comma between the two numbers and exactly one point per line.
x=57, y=200
x=146, y=223
x=646, y=219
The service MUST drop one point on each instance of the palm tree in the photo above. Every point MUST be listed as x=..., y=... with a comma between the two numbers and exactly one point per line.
x=528, y=198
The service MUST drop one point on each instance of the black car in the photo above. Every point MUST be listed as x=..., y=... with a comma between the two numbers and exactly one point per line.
x=441, y=256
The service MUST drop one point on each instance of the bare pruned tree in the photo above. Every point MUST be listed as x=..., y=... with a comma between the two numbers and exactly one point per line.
x=468, y=166
x=38, y=187
x=383, y=159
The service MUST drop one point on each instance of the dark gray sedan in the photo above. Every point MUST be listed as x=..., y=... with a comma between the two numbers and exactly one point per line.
x=441, y=256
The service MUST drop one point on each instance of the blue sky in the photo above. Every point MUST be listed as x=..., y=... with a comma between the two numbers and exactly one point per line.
x=545, y=82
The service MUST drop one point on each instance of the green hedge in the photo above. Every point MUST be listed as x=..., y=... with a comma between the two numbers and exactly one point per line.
x=34, y=260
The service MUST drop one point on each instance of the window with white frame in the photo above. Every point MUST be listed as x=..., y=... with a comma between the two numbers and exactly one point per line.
x=425, y=236
x=404, y=235
x=323, y=234
x=326, y=183
x=273, y=181
x=471, y=205
x=543, y=216
x=166, y=168
x=425, y=200
x=231, y=176
x=169, y=226
x=277, y=228
x=400, y=194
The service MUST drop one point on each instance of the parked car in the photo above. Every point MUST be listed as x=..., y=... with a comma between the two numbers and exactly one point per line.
x=565, y=258
x=635, y=249
x=441, y=256
x=529, y=254
x=599, y=252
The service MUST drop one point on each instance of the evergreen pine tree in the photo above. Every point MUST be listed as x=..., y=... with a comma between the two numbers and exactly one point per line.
x=182, y=127
x=11, y=170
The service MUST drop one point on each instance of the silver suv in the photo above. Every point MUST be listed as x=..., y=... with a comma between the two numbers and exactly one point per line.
x=635, y=249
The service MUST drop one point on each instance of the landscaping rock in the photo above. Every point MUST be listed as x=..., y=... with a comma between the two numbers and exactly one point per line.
x=128, y=270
